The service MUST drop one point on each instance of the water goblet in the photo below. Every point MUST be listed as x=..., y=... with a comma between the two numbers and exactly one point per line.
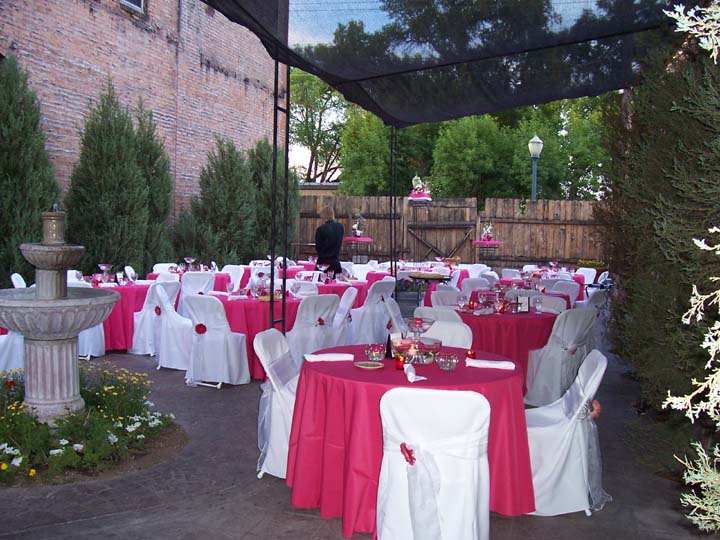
x=537, y=304
x=377, y=352
x=462, y=301
x=229, y=287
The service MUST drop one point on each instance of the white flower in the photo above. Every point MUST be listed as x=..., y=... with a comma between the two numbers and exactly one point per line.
x=10, y=451
x=3, y=446
x=56, y=452
x=63, y=442
x=112, y=438
x=78, y=447
x=140, y=436
x=117, y=424
x=149, y=404
x=154, y=422
x=132, y=427
x=17, y=461
x=172, y=416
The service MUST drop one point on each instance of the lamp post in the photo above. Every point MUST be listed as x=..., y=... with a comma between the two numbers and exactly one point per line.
x=535, y=146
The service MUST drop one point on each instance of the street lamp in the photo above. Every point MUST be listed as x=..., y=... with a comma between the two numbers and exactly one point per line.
x=535, y=146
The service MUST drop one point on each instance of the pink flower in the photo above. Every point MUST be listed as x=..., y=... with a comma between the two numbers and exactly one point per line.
x=596, y=408
x=321, y=321
x=158, y=311
x=200, y=329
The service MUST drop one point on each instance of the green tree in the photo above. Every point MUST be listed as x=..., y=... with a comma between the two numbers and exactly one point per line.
x=317, y=114
x=27, y=181
x=107, y=200
x=364, y=156
x=155, y=168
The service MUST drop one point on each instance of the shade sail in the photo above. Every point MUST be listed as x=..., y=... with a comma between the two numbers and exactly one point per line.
x=412, y=61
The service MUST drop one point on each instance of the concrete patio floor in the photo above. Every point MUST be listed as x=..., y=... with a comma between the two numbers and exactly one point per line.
x=209, y=488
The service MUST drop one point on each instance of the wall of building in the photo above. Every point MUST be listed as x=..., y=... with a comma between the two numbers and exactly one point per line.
x=200, y=74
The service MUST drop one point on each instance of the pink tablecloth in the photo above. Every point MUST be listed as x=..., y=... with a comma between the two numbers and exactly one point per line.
x=250, y=317
x=464, y=274
x=372, y=277
x=118, y=326
x=336, y=439
x=340, y=288
x=511, y=335
x=221, y=280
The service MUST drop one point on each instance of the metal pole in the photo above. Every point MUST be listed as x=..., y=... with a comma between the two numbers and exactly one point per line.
x=393, y=200
x=534, y=177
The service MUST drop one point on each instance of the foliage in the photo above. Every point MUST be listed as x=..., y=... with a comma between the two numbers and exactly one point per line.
x=27, y=181
x=317, y=115
x=117, y=419
x=702, y=22
x=664, y=192
x=155, y=168
x=107, y=203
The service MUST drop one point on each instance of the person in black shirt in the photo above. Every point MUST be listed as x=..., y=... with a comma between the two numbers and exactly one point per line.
x=328, y=240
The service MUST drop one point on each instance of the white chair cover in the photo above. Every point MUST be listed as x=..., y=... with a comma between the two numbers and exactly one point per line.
x=91, y=341
x=260, y=262
x=553, y=304
x=194, y=283
x=360, y=271
x=603, y=277
x=476, y=269
x=474, y=284
x=588, y=273
x=163, y=267
x=511, y=273
x=277, y=401
x=219, y=354
x=342, y=321
x=437, y=314
x=236, y=271
x=452, y=334
x=564, y=276
x=446, y=287
x=600, y=302
x=454, y=279
x=130, y=273
x=168, y=277
x=73, y=275
x=441, y=269
x=491, y=276
x=552, y=369
x=444, y=298
x=569, y=287
x=280, y=261
x=512, y=294
x=398, y=324
x=564, y=447
x=173, y=334
x=18, y=281
x=530, y=267
x=434, y=478
x=313, y=327
x=305, y=288
x=144, y=321
x=12, y=351
x=370, y=322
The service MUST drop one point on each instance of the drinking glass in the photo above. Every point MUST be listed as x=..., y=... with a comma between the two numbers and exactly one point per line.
x=229, y=287
x=537, y=304
x=377, y=352
x=462, y=301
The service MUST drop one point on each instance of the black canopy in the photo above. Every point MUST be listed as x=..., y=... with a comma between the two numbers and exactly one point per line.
x=412, y=61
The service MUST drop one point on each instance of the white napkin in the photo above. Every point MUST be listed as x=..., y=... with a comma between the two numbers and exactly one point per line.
x=411, y=375
x=218, y=293
x=493, y=364
x=484, y=311
x=107, y=284
x=144, y=281
x=329, y=357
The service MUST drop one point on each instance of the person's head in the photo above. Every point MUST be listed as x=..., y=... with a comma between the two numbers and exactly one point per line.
x=327, y=213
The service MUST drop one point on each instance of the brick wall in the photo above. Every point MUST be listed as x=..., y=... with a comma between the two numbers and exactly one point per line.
x=200, y=74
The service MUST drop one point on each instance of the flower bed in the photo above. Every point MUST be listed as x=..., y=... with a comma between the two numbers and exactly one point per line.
x=117, y=420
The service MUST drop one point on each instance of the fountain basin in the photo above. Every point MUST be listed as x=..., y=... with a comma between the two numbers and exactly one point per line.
x=62, y=318
x=52, y=257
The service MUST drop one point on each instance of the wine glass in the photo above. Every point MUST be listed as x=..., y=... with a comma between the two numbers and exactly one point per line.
x=537, y=304
x=418, y=325
x=323, y=267
x=230, y=286
x=462, y=301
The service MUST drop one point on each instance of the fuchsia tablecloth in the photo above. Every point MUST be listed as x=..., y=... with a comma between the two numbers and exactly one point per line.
x=118, y=326
x=340, y=288
x=372, y=277
x=221, y=280
x=511, y=335
x=336, y=439
x=250, y=317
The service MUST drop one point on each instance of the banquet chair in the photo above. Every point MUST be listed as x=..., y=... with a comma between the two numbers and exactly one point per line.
x=552, y=369
x=130, y=273
x=512, y=294
x=511, y=273
x=452, y=334
x=168, y=277
x=73, y=275
x=360, y=271
x=91, y=341
x=217, y=353
x=163, y=267
x=437, y=314
x=477, y=269
x=18, y=281
x=600, y=302
x=301, y=289
x=454, y=279
x=588, y=273
x=236, y=272
x=172, y=334
x=194, y=283
x=342, y=322
x=446, y=287
x=144, y=321
x=553, y=304
x=259, y=262
x=370, y=320
x=530, y=267
x=347, y=268
x=564, y=447
x=441, y=269
x=491, y=276
x=434, y=476
x=602, y=278
x=313, y=328
x=397, y=323
x=12, y=351
x=284, y=261
x=277, y=401
x=474, y=284
x=564, y=276
x=569, y=287
x=444, y=298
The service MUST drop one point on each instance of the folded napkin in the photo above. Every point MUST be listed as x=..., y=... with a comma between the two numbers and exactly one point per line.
x=329, y=357
x=107, y=284
x=493, y=364
x=484, y=311
x=411, y=375
x=218, y=293
x=144, y=281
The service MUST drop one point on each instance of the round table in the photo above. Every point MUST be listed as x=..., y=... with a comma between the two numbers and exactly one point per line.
x=220, y=284
x=335, y=448
x=512, y=335
x=119, y=326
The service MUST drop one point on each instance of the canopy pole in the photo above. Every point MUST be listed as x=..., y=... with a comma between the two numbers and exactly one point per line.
x=393, y=201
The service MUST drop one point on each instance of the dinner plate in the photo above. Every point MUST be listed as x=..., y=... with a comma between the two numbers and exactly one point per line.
x=266, y=298
x=367, y=364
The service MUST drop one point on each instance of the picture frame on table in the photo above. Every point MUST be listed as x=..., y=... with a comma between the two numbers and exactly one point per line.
x=523, y=304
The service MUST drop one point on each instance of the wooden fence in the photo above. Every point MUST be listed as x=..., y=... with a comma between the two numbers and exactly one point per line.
x=531, y=232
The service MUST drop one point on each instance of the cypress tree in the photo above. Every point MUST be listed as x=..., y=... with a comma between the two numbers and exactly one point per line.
x=107, y=200
x=154, y=165
x=27, y=181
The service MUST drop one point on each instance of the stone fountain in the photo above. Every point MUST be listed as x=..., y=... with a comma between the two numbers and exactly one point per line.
x=50, y=317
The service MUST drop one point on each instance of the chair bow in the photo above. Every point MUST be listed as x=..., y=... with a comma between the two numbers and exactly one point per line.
x=158, y=311
x=408, y=453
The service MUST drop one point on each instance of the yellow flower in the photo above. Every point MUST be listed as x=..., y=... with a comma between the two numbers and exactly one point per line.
x=32, y=473
x=3, y=466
